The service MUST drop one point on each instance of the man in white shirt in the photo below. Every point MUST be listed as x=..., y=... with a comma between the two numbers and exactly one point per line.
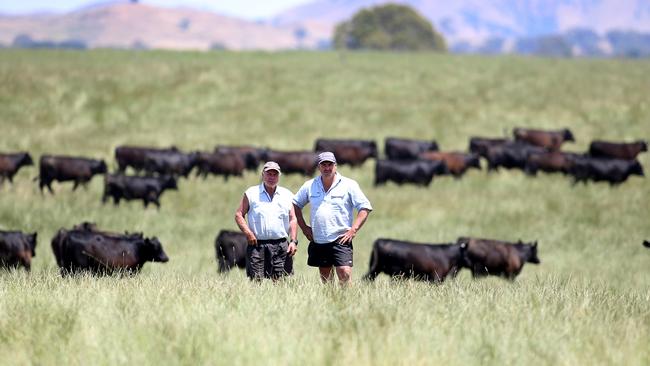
x=333, y=199
x=271, y=229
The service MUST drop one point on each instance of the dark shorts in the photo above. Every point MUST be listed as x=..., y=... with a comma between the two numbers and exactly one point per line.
x=329, y=254
x=268, y=260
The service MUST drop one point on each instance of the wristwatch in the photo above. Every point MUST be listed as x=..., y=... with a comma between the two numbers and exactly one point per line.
x=294, y=241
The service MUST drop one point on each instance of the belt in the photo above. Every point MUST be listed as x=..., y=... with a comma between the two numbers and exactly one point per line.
x=271, y=241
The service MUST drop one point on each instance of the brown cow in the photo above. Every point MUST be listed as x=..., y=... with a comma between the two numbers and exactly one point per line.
x=352, y=152
x=498, y=258
x=457, y=162
x=549, y=139
x=617, y=150
x=303, y=162
x=220, y=163
x=550, y=162
x=17, y=249
x=10, y=163
x=480, y=145
x=252, y=156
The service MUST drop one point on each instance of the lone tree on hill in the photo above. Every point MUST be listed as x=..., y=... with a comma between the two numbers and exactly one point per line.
x=388, y=27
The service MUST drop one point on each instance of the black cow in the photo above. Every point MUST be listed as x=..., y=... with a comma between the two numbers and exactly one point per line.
x=407, y=149
x=303, y=162
x=252, y=156
x=419, y=172
x=646, y=244
x=511, y=155
x=429, y=262
x=617, y=150
x=10, y=163
x=136, y=156
x=352, y=152
x=548, y=139
x=614, y=171
x=457, y=162
x=98, y=252
x=220, y=163
x=17, y=249
x=480, y=145
x=498, y=258
x=67, y=168
x=174, y=163
x=148, y=189
x=230, y=247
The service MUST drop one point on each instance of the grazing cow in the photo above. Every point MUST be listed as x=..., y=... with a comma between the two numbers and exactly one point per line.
x=498, y=258
x=136, y=156
x=17, y=249
x=303, y=162
x=457, y=162
x=551, y=140
x=98, y=252
x=550, y=162
x=480, y=145
x=419, y=172
x=252, y=156
x=220, y=163
x=66, y=168
x=617, y=150
x=352, y=152
x=230, y=247
x=614, y=171
x=10, y=163
x=646, y=244
x=429, y=262
x=407, y=149
x=174, y=163
x=511, y=155
x=148, y=189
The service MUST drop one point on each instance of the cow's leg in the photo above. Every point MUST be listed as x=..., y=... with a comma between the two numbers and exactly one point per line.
x=49, y=187
x=75, y=185
x=373, y=268
x=157, y=203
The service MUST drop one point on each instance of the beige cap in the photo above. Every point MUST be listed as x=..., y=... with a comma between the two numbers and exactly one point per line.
x=271, y=165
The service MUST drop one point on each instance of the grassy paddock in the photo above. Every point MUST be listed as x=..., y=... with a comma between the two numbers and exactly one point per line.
x=587, y=303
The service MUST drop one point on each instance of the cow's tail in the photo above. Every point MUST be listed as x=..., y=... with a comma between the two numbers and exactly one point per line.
x=374, y=263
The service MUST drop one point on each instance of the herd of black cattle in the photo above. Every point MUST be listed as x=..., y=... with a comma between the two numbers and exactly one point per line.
x=86, y=248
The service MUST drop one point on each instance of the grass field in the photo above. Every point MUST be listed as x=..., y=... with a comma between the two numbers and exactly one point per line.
x=586, y=303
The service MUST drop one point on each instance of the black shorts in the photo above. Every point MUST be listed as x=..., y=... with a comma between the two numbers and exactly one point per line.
x=329, y=254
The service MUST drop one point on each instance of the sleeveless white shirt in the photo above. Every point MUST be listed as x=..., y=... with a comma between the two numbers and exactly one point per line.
x=268, y=217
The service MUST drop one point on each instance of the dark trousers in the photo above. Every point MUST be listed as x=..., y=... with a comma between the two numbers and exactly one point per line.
x=267, y=260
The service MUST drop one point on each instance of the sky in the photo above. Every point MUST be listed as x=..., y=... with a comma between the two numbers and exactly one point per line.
x=246, y=9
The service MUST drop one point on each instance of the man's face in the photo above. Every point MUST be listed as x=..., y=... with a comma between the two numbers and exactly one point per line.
x=271, y=177
x=327, y=169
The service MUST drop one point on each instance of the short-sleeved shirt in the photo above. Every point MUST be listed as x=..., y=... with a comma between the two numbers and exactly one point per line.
x=268, y=217
x=331, y=212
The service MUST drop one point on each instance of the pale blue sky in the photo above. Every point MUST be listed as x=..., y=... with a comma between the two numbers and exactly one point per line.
x=247, y=9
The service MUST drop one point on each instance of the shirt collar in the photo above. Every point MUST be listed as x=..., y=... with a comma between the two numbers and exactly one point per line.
x=263, y=190
x=337, y=179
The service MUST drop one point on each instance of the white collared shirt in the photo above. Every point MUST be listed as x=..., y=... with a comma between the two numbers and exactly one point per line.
x=268, y=217
x=331, y=212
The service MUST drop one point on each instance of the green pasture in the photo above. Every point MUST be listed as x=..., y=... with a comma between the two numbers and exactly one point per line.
x=587, y=303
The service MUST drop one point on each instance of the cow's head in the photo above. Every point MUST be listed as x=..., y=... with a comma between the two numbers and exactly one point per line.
x=463, y=244
x=154, y=251
x=193, y=159
x=532, y=253
x=473, y=161
x=373, y=149
x=567, y=135
x=643, y=145
x=100, y=167
x=646, y=244
x=31, y=241
x=637, y=169
x=26, y=159
x=169, y=182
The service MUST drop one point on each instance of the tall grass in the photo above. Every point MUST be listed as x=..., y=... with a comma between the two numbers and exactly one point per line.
x=586, y=303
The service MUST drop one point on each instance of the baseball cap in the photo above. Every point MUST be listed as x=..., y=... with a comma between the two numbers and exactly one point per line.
x=326, y=156
x=271, y=165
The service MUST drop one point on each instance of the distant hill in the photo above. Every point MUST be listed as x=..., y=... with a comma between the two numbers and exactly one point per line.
x=126, y=25
x=507, y=25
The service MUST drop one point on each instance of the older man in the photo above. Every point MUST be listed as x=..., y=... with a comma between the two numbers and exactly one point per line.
x=333, y=198
x=271, y=220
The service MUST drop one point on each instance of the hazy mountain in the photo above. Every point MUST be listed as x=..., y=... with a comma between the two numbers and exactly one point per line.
x=126, y=25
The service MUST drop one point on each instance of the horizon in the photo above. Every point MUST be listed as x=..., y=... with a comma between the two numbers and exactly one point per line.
x=245, y=9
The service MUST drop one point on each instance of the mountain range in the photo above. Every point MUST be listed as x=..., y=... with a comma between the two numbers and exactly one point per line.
x=556, y=27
